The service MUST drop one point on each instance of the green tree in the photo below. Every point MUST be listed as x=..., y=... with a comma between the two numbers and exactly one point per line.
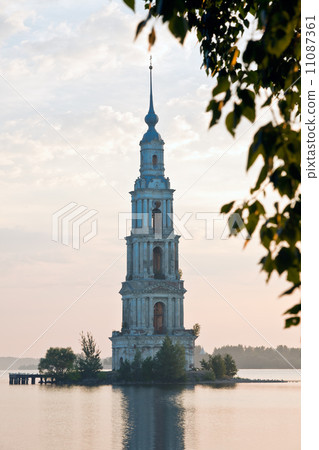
x=218, y=365
x=125, y=371
x=169, y=362
x=148, y=369
x=58, y=362
x=136, y=366
x=89, y=362
x=207, y=368
x=205, y=364
x=209, y=375
x=269, y=67
x=230, y=366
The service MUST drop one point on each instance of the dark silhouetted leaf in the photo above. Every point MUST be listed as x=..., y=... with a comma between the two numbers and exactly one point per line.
x=151, y=38
x=251, y=223
x=284, y=259
x=140, y=27
x=255, y=149
x=261, y=178
x=292, y=321
x=249, y=113
x=179, y=27
x=130, y=4
x=233, y=119
x=294, y=310
x=267, y=235
x=223, y=85
x=293, y=274
x=226, y=208
x=142, y=24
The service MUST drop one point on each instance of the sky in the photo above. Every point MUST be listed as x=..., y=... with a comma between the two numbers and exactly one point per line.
x=74, y=89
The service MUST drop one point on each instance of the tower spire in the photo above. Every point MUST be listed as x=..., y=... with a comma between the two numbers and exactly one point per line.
x=151, y=108
x=151, y=118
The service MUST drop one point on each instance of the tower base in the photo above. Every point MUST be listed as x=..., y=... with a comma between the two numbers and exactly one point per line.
x=124, y=346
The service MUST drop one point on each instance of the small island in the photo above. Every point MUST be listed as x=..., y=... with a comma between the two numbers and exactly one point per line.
x=61, y=366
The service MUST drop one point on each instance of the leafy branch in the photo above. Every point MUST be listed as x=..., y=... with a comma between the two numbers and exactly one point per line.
x=269, y=64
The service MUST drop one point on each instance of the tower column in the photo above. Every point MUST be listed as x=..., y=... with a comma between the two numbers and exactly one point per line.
x=176, y=312
x=164, y=214
x=149, y=202
x=129, y=259
x=151, y=261
x=135, y=259
x=148, y=258
x=176, y=258
x=182, y=314
x=169, y=220
x=170, y=313
x=145, y=215
x=139, y=212
x=170, y=258
x=141, y=257
x=133, y=214
x=145, y=259
x=166, y=259
x=138, y=313
x=134, y=312
x=150, y=312
x=142, y=300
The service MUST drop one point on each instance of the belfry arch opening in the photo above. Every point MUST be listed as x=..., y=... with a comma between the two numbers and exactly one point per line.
x=159, y=327
x=154, y=160
x=157, y=218
x=158, y=262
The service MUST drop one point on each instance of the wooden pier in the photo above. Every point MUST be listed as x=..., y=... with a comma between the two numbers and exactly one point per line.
x=23, y=378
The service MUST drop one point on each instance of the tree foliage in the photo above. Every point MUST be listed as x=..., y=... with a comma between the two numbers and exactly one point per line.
x=220, y=366
x=89, y=362
x=230, y=365
x=169, y=362
x=168, y=365
x=125, y=372
x=267, y=73
x=57, y=362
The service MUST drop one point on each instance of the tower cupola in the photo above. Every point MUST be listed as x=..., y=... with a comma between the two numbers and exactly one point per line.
x=152, y=150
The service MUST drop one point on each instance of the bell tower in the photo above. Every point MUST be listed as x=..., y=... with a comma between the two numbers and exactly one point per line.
x=153, y=293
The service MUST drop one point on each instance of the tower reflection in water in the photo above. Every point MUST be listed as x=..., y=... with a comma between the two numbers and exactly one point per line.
x=153, y=418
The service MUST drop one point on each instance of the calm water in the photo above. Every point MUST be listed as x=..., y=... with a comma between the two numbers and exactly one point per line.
x=244, y=417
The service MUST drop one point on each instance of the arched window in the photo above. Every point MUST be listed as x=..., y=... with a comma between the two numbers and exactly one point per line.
x=154, y=160
x=157, y=262
x=159, y=318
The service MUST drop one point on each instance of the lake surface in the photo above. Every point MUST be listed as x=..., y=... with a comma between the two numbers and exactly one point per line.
x=243, y=417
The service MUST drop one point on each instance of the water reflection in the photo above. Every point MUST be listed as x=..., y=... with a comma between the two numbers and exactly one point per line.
x=153, y=417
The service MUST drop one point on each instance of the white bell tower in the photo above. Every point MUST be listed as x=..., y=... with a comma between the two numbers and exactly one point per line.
x=153, y=293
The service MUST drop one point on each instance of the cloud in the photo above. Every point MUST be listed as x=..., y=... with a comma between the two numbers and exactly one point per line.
x=13, y=24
